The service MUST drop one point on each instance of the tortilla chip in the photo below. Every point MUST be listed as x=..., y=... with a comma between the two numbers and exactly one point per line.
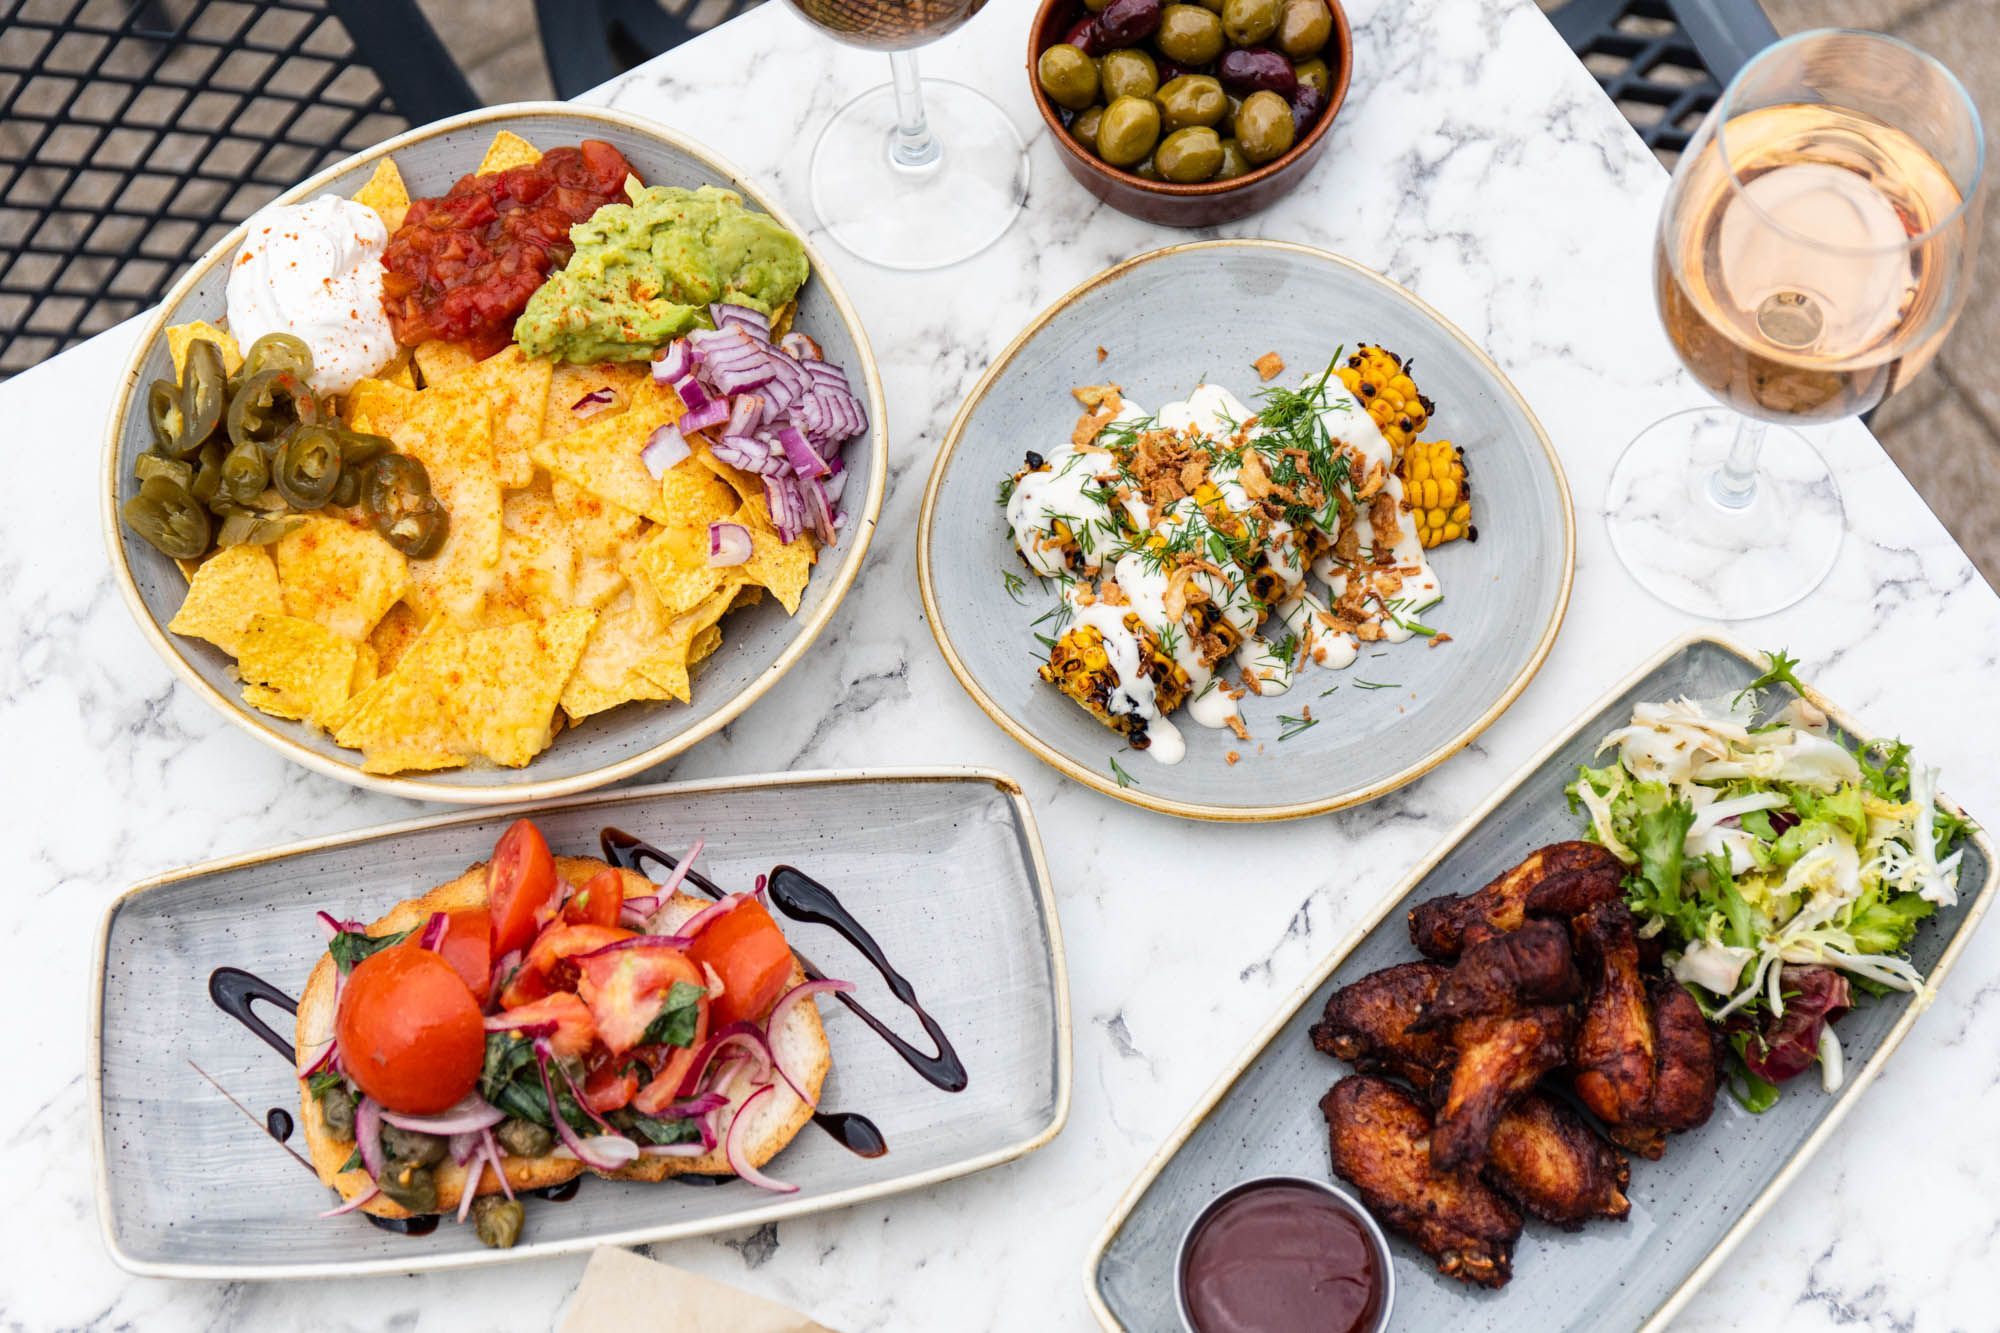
x=296, y=668
x=392, y=637
x=379, y=406
x=518, y=387
x=747, y=595
x=451, y=434
x=669, y=668
x=781, y=566
x=441, y=361
x=367, y=667
x=338, y=575
x=706, y=641
x=535, y=578
x=631, y=630
x=180, y=335
x=508, y=150
x=571, y=384
x=401, y=370
x=781, y=320
x=603, y=455
x=229, y=589
x=747, y=485
x=386, y=194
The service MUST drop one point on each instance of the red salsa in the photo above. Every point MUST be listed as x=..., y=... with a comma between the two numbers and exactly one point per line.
x=461, y=268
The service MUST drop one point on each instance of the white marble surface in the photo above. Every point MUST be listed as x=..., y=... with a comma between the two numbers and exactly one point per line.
x=1476, y=162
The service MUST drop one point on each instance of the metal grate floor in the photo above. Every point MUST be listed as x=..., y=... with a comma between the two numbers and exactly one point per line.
x=1647, y=64
x=133, y=135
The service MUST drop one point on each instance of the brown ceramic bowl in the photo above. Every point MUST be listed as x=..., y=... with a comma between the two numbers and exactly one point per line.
x=1203, y=205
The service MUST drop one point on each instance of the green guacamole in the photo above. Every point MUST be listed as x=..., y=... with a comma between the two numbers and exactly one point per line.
x=645, y=273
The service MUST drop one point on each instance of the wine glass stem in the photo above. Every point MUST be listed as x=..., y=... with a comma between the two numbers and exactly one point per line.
x=1734, y=484
x=913, y=144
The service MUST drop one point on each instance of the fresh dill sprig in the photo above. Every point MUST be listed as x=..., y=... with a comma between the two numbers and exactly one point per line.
x=1377, y=685
x=1015, y=583
x=1294, y=725
x=1118, y=771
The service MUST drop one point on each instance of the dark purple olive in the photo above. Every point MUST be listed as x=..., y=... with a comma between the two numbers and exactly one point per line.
x=1253, y=69
x=1307, y=103
x=1169, y=71
x=1128, y=22
x=1087, y=37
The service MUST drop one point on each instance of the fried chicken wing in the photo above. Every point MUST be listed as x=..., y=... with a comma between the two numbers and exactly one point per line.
x=1502, y=973
x=1368, y=1023
x=1379, y=1138
x=1499, y=1057
x=1561, y=879
x=1546, y=1158
x=1644, y=1062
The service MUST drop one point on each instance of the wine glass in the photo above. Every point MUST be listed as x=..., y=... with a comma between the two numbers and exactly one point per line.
x=918, y=173
x=1815, y=246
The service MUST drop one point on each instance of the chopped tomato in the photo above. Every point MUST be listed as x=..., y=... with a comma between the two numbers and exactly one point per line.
x=674, y=1064
x=610, y=1085
x=409, y=1030
x=626, y=988
x=520, y=886
x=575, y=1031
x=749, y=953
x=547, y=967
x=467, y=945
x=598, y=902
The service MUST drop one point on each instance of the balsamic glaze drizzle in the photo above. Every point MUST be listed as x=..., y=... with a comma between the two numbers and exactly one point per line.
x=233, y=990
x=278, y=1122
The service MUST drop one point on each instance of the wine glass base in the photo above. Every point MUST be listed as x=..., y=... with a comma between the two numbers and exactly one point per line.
x=927, y=216
x=1699, y=555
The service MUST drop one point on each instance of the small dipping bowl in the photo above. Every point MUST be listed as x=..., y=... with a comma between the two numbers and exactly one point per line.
x=1284, y=1252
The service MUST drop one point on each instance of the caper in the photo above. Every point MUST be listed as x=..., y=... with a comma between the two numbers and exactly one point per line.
x=1189, y=35
x=524, y=1138
x=1129, y=129
x=412, y=1186
x=1249, y=22
x=1068, y=76
x=497, y=1221
x=410, y=1147
x=1304, y=28
x=1128, y=73
x=1192, y=99
x=336, y=1108
x=1190, y=155
x=1084, y=128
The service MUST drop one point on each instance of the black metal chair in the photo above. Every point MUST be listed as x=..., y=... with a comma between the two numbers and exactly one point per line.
x=589, y=42
x=1664, y=61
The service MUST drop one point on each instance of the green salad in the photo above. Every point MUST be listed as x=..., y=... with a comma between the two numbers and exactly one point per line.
x=1780, y=864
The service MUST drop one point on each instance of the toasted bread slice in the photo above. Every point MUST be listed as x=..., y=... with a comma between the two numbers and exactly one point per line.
x=801, y=1045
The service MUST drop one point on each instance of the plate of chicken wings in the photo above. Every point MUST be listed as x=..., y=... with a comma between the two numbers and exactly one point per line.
x=1501, y=1067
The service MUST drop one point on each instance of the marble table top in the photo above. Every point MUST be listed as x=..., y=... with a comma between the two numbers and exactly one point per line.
x=1476, y=162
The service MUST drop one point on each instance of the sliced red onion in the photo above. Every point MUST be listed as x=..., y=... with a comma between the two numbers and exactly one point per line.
x=470, y=1187
x=820, y=510
x=368, y=1135
x=744, y=1034
x=673, y=881
x=787, y=507
x=471, y=1114
x=504, y=967
x=800, y=347
x=635, y=942
x=433, y=931
x=327, y=1059
x=676, y=1149
x=632, y=914
x=583, y=1103
x=601, y=1152
x=728, y=544
x=834, y=485
x=745, y=412
x=503, y=1022
x=692, y=1106
x=737, y=1148
x=695, y=924
x=333, y=925
x=593, y=402
x=675, y=362
x=464, y=1145
x=354, y=1202
x=665, y=449
x=757, y=888
x=492, y=1147
x=777, y=1018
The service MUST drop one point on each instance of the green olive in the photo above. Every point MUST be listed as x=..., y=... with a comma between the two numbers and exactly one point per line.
x=1129, y=129
x=336, y=1107
x=1234, y=164
x=1084, y=128
x=1314, y=74
x=414, y=1187
x=397, y=492
x=204, y=392
x=1250, y=22
x=1304, y=28
x=278, y=351
x=497, y=1221
x=1264, y=127
x=1189, y=34
x=524, y=1138
x=410, y=1147
x=163, y=414
x=1190, y=155
x=1147, y=170
x=1128, y=73
x=1095, y=6
x=1212, y=5
x=308, y=467
x=1068, y=76
x=1192, y=99
x=166, y=515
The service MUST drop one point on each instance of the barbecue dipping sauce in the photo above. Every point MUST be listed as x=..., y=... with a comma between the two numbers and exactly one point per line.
x=1280, y=1257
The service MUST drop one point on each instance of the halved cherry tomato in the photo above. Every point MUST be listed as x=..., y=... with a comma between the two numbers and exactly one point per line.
x=598, y=902
x=467, y=945
x=575, y=1031
x=547, y=969
x=674, y=1064
x=610, y=1084
x=749, y=953
x=520, y=886
x=410, y=1032
x=625, y=989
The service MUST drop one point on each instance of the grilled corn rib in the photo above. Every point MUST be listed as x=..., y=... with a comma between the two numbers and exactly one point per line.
x=1376, y=376
x=1080, y=666
x=1436, y=491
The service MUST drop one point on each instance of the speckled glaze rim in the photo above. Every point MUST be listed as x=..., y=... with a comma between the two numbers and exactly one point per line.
x=1247, y=814
x=1303, y=993
x=854, y=549
x=1037, y=867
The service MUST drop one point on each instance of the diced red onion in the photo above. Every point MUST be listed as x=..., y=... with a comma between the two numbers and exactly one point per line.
x=800, y=454
x=737, y=1148
x=745, y=412
x=471, y=1114
x=728, y=544
x=834, y=485
x=675, y=361
x=800, y=347
x=667, y=448
x=693, y=397
x=777, y=1018
x=593, y=402
x=746, y=452
x=368, y=1135
x=354, y=1202
x=820, y=510
x=750, y=321
x=712, y=413
x=609, y=1153
x=433, y=931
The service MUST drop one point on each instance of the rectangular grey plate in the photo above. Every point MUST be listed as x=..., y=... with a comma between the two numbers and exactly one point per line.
x=943, y=867
x=1688, y=1210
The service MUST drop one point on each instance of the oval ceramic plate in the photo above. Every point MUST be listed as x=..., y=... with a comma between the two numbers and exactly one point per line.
x=1402, y=708
x=759, y=643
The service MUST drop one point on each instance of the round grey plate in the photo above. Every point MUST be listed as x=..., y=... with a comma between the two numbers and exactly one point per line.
x=1504, y=594
x=759, y=643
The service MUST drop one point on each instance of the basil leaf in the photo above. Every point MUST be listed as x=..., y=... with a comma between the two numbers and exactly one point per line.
x=323, y=1082
x=353, y=1161
x=654, y=1130
x=351, y=946
x=674, y=1025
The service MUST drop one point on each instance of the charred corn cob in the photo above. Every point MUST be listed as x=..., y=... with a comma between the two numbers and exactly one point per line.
x=1376, y=377
x=1080, y=666
x=1436, y=491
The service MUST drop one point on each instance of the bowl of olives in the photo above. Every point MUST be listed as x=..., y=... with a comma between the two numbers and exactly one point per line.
x=1189, y=112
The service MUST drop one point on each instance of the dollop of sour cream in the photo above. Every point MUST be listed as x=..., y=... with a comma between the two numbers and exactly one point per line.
x=314, y=270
